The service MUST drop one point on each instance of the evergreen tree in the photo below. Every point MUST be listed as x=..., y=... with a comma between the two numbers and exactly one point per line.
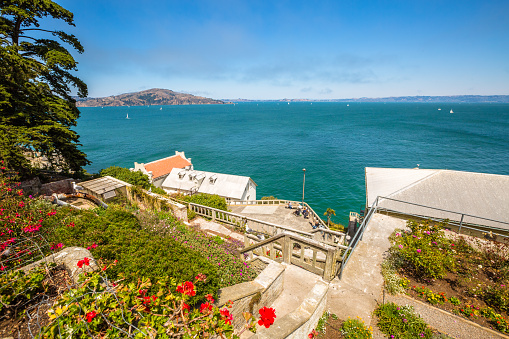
x=37, y=111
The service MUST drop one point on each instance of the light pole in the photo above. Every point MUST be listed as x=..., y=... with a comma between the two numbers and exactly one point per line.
x=303, y=185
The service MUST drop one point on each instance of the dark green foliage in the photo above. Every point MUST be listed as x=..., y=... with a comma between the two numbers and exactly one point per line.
x=134, y=178
x=140, y=253
x=37, y=111
x=209, y=200
x=271, y=197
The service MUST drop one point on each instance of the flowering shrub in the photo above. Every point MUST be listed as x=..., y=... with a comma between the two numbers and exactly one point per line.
x=500, y=323
x=356, y=329
x=430, y=296
x=425, y=249
x=401, y=322
x=99, y=308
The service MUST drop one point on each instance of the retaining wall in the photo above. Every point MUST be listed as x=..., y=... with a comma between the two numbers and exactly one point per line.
x=253, y=295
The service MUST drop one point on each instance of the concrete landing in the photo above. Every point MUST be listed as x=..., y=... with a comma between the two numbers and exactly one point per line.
x=279, y=215
x=206, y=225
x=358, y=292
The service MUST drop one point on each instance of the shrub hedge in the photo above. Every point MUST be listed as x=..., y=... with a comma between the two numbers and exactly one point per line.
x=116, y=234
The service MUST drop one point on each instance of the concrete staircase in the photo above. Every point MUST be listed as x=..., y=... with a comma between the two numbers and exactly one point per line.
x=298, y=307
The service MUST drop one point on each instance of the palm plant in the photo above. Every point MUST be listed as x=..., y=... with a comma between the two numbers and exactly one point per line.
x=328, y=213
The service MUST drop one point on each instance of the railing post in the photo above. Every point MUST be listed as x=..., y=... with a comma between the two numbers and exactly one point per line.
x=461, y=223
x=287, y=250
x=328, y=271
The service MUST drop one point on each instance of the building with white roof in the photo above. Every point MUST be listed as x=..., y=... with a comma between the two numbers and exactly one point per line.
x=449, y=193
x=231, y=187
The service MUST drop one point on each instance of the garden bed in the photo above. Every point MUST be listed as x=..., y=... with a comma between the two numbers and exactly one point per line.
x=460, y=274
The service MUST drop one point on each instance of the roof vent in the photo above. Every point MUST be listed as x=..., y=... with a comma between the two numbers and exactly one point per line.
x=192, y=175
x=213, y=178
x=182, y=174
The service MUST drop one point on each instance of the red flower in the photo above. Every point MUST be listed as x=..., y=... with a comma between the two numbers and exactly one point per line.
x=187, y=288
x=90, y=316
x=227, y=317
x=85, y=262
x=185, y=307
x=201, y=277
x=267, y=316
x=205, y=307
x=209, y=298
x=312, y=334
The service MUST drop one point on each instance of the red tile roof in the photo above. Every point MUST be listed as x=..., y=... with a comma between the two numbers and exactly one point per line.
x=164, y=166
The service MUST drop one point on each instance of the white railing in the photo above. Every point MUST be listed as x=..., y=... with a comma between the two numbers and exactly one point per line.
x=308, y=254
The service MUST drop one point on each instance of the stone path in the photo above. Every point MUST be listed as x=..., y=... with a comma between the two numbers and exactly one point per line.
x=360, y=288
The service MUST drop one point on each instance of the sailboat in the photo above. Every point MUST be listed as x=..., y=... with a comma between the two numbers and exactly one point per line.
x=347, y=105
x=439, y=109
x=161, y=109
x=451, y=111
x=127, y=116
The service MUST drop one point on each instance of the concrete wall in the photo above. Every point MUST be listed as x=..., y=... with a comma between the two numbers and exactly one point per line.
x=34, y=186
x=253, y=295
x=250, y=193
x=299, y=323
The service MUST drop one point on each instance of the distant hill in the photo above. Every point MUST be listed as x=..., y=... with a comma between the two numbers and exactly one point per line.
x=154, y=96
x=452, y=99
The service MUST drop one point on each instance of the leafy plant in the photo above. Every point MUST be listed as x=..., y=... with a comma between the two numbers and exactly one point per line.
x=356, y=329
x=16, y=286
x=430, y=296
x=394, y=283
x=400, y=322
x=214, y=201
x=136, y=178
x=455, y=301
x=100, y=308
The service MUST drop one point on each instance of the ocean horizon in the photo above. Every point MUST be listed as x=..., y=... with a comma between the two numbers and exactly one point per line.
x=272, y=142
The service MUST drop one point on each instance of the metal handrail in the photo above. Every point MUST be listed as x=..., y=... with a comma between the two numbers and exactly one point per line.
x=440, y=209
x=357, y=237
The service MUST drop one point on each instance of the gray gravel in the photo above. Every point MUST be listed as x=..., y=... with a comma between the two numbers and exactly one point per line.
x=445, y=322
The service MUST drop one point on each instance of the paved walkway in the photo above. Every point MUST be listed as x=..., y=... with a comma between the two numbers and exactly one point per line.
x=276, y=214
x=360, y=289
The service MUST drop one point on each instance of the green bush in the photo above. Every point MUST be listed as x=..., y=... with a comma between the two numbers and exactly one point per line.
x=270, y=197
x=134, y=178
x=214, y=201
x=118, y=235
x=401, y=322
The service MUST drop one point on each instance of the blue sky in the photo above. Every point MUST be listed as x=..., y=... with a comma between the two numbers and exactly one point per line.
x=293, y=49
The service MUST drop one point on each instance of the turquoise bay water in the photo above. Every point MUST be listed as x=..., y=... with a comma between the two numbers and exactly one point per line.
x=273, y=142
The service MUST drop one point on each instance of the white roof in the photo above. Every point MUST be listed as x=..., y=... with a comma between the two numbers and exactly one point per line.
x=225, y=185
x=478, y=194
x=386, y=181
x=103, y=184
